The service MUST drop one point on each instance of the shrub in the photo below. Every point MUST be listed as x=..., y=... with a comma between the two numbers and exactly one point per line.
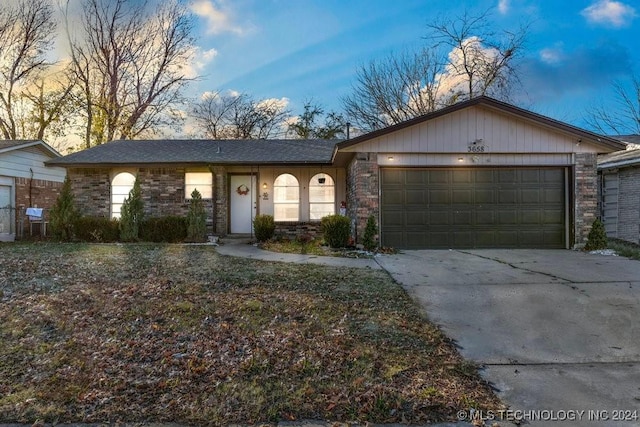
x=167, y=229
x=97, y=229
x=336, y=230
x=132, y=214
x=63, y=214
x=264, y=226
x=196, y=219
x=597, y=238
x=369, y=240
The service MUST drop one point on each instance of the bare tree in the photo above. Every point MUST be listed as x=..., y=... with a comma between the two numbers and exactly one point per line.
x=130, y=61
x=306, y=126
x=26, y=33
x=239, y=116
x=623, y=120
x=463, y=59
x=394, y=89
x=481, y=61
x=50, y=108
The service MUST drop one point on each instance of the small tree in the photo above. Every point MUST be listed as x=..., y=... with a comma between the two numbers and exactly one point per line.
x=196, y=218
x=369, y=241
x=336, y=230
x=132, y=214
x=597, y=238
x=264, y=226
x=64, y=214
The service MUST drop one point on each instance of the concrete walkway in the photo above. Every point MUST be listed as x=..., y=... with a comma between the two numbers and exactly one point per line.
x=242, y=248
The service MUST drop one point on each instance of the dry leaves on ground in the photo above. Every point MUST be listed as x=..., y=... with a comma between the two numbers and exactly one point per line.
x=95, y=333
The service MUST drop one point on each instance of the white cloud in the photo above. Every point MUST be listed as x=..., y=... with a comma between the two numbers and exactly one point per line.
x=609, y=12
x=503, y=6
x=551, y=55
x=219, y=20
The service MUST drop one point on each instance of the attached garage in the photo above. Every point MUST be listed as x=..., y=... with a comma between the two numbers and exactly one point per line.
x=473, y=208
x=478, y=174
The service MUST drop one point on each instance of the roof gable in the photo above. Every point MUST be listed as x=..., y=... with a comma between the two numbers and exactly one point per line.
x=501, y=126
x=13, y=145
x=200, y=151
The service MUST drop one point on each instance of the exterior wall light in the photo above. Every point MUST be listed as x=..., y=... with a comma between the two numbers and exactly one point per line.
x=264, y=185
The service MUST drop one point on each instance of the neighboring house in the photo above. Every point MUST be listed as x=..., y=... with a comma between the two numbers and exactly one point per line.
x=25, y=182
x=620, y=190
x=481, y=173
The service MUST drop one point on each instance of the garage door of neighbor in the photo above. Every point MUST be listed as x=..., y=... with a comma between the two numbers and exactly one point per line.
x=473, y=208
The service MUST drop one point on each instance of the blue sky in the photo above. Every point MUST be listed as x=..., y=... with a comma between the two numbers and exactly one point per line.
x=311, y=49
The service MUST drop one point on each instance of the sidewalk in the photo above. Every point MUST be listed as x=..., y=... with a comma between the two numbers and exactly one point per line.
x=242, y=248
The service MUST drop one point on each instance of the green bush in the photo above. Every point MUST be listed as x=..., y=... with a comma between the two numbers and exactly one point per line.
x=336, y=230
x=97, y=229
x=167, y=229
x=597, y=238
x=132, y=214
x=264, y=226
x=63, y=214
x=369, y=240
x=196, y=219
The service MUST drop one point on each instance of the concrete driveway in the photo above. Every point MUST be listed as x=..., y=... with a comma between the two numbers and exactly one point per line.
x=558, y=331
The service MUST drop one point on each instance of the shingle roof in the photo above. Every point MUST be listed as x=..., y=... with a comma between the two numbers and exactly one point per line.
x=628, y=157
x=200, y=151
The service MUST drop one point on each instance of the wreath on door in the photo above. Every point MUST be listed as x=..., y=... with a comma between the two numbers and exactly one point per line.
x=242, y=190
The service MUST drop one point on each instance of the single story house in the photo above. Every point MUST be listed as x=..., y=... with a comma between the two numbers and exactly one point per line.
x=26, y=182
x=619, y=174
x=481, y=173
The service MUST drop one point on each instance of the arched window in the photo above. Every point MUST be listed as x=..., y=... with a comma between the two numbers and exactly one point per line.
x=121, y=185
x=286, y=198
x=322, y=196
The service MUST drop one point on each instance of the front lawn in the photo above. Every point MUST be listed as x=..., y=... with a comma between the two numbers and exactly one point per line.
x=174, y=333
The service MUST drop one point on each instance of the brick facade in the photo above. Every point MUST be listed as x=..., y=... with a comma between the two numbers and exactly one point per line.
x=292, y=230
x=33, y=193
x=36, y=192
x=586, y=196
x=363, y=175
x=163, y=194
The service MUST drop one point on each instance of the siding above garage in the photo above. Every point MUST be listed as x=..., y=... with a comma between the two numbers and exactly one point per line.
x=478, y=137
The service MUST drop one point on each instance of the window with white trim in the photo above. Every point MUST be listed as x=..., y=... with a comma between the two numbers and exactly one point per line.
x=286, y=198
x=322, y=195
x=202, y=181
x=121, y=185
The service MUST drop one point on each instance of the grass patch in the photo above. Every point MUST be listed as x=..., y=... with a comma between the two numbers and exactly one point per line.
x=172, y=333
x=625, y=249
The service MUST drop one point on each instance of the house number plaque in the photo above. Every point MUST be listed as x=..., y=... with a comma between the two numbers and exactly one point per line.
x=477, y=146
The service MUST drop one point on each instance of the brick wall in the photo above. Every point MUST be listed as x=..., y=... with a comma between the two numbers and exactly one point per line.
x=92, y=191
x=163, y=193
x=586, y=196
x=363, y=199
x=221, y=212
x=629, y=204
x=295, y=229
x=36, y=192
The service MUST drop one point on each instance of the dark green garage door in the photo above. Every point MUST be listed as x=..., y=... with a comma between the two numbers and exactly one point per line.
x=473, y=208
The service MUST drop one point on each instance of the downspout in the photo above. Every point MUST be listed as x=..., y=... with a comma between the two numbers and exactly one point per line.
x=214, y=196
x=30, y=187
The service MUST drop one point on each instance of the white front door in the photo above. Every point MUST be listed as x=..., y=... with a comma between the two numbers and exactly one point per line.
x=5, y=209
x=244, y=199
